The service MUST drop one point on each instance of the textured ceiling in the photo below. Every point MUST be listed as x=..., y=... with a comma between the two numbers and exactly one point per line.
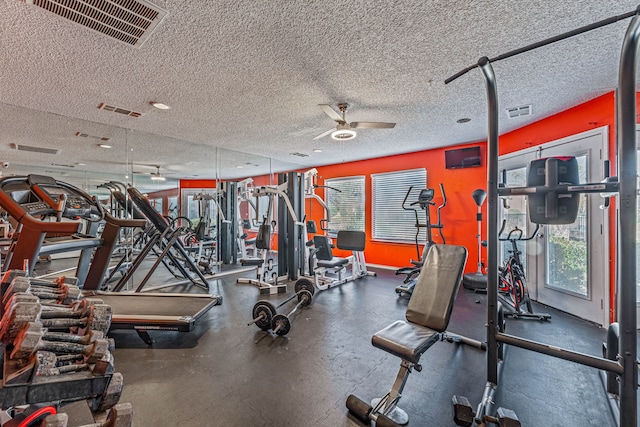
x=244, y=79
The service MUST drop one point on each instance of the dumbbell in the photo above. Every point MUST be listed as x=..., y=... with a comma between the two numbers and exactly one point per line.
x=25, y=309
x=62, y=292
x=47, y=365
x=17, y=317
x=93, y=316
x=8, y=277
x=281, y=323
x=31, y=339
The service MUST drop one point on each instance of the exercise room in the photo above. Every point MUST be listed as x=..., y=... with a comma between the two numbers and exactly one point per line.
x=320, y=213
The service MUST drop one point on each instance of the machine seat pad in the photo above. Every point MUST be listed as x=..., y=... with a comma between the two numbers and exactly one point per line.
x=251, y=261
x=406, y=340
x=333, y=263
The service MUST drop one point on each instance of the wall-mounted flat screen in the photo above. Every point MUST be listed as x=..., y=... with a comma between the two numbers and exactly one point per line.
x=462, y=158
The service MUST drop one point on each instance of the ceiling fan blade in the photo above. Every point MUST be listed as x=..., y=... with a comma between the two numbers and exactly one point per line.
x=331, y=113
x=323, y=134
x=372, y=125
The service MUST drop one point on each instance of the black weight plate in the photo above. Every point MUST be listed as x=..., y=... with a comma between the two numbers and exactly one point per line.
x=305, y=284
x=306, y=296
x=267, y=310
x=281, y=324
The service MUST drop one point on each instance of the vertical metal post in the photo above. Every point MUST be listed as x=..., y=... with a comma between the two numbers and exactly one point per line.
x=627, y=174
x=283, y=241
x=492, y=221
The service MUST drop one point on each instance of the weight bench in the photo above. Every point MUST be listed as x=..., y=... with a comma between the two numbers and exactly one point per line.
x=427, y=318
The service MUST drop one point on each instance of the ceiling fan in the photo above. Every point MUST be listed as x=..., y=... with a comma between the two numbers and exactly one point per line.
x=343, y=131
x=154, y=176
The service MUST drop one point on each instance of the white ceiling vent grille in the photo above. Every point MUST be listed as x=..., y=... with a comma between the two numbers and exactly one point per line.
x=514, y=112
x=119, y=110
x=33, y=149
x=86, y=135
x=128, y=21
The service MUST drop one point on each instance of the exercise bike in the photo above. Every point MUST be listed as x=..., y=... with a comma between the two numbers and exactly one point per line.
x=512, y=282
x=424, y=202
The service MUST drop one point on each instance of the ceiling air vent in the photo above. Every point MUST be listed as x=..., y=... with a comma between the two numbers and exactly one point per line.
x=128, y=21
x=299, y=154
x=119, y=110
x=32, y=149
x=86, y=135
x=514, y=112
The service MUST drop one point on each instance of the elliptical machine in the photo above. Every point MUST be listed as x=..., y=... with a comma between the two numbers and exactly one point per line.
x=424, y=203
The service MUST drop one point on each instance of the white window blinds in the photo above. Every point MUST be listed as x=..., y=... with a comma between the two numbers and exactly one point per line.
x=390, y=221
x=346, y=206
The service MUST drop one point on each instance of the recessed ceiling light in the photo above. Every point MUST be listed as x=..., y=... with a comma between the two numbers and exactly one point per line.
x=160, y=105
x=239, y=166
x=104, y=146
x=463, y=120
x=81, y=164
x=317, y=150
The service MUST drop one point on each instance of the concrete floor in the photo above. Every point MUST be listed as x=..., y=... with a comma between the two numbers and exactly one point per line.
x=225, y=373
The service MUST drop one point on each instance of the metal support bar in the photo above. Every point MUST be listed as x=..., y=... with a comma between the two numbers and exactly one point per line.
x=627, y=176
x=561, y=353
x=492, y=222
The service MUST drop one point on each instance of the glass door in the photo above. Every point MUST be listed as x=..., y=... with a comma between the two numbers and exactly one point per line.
x=567, y=265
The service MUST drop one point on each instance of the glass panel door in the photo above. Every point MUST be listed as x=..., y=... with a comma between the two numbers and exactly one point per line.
x=567, y=264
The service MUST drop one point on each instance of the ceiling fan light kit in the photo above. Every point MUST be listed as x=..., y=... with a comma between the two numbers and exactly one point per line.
x=343, y=134
x=156, y=176
x=343, y=130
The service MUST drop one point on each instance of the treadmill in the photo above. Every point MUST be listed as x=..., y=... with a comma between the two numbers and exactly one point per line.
x=47, y=208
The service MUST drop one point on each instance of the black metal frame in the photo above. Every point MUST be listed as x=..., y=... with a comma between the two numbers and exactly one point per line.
x=626, y=367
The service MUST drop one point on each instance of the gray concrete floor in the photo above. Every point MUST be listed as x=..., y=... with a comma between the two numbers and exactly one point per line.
x=225, y=373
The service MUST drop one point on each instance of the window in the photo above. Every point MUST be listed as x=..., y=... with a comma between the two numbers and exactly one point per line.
x=346, y=205
x=390, y=221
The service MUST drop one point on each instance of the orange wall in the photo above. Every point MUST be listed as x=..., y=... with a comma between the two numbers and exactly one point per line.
x=458, y=217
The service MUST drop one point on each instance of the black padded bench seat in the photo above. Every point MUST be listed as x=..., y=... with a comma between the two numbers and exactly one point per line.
x=251, y=261
x=405, y=340
x=333, y=263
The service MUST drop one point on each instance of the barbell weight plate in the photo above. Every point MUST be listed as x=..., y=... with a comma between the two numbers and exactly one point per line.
x=305, y=297
x=265, y=309
x=281, y=324
x=304, y=284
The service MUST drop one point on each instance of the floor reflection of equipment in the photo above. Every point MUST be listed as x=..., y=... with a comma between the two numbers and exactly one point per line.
x=424, y=203
x=477, y=280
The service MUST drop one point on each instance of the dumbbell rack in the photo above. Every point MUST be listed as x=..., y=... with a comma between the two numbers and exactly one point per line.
x=20, y=386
